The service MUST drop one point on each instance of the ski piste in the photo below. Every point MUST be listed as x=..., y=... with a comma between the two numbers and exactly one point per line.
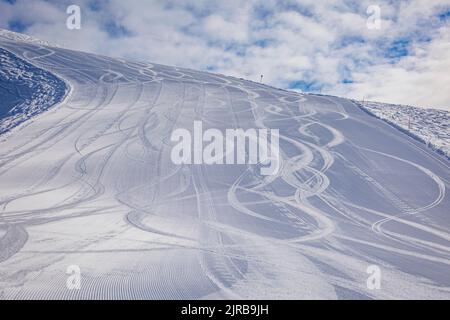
x=88, y=185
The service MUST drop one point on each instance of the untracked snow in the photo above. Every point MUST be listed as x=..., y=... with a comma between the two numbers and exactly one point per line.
x=90, y=184
x=25, y=91
x=431, y=126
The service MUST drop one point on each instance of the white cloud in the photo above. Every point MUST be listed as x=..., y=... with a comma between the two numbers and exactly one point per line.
x=419, y=79
x=217, y=28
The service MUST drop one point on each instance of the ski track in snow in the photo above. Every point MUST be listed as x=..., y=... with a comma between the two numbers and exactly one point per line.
x=90, y=183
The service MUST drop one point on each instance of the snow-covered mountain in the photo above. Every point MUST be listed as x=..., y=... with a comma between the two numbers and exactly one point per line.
x=430, y=126
x=26, y=91
x=88, y=187
x=20, y=37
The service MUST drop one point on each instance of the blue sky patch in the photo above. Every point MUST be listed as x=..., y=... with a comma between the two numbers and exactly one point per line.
x=17, y=26
x=306, y=86
x=116, y=30
x=397, y=49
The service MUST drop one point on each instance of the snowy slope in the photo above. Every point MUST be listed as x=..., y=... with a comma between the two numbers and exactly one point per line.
x=20, y=37
x=431, y=126
x=90, y=183
x=26, y=91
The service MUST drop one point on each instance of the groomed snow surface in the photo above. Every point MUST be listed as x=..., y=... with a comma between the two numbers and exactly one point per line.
x=90, y=183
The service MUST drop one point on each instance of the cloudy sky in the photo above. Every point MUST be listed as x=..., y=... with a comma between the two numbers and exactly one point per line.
x=327, y=46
